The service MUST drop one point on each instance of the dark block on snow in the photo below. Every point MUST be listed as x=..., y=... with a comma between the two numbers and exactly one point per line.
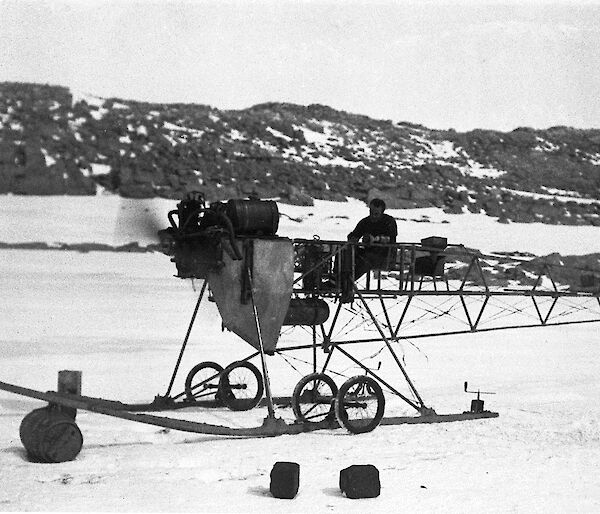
x=477, y=406
x=360, y=481
x=285, y=480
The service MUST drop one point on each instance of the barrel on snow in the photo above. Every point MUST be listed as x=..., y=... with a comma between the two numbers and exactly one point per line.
x=50, y=435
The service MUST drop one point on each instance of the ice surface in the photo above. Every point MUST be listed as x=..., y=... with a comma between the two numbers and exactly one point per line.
x=121, y=319
x=112, y=220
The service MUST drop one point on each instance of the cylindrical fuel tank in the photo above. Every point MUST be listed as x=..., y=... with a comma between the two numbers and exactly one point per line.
x=253, y=217
x=307, y=311
x=49, y=435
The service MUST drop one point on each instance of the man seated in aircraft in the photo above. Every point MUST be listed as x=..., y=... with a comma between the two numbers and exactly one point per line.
x=377, y=227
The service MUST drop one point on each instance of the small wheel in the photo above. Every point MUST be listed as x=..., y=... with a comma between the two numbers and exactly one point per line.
x=241, y=386
x=312, y=398
x=359, y=404
x=202, y=382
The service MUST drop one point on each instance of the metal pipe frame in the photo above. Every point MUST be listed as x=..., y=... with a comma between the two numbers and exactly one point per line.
x=323, y=337
x=406, y=288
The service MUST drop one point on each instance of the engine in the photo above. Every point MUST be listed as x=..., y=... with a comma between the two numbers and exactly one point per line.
x=200, y=235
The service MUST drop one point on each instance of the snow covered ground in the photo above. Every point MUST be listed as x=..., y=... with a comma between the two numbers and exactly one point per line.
x=112, y=220
x=121, y=318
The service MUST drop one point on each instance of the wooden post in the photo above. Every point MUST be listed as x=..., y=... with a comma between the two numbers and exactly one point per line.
x=69, y=382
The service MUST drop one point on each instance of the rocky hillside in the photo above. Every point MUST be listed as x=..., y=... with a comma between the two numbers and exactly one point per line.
x=52, y=142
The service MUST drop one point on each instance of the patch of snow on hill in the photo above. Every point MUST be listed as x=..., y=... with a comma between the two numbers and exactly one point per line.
x=313, y=137
x=99, y=169
x=76, y=123
x=236, y=135
x=178, y=128
x=561, y=198
x=561, y=192
x=291, y=153
x=440, y=152
x=278, y=134
x=444, y=149
x=478, y=170
x=332, y=137
x=48, y=158
x=445, y=152
x=337, y=161
x=364, y=148
x=99, y=113
x=545, y=146
x=594, y=159
x=265, y=145
x=170, y=139
x=423, y=142
x=88, y=98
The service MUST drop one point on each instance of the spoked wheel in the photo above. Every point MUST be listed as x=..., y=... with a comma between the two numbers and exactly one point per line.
x=202, y=382
x=359, y=404
x=241, y=386
x=312, y=398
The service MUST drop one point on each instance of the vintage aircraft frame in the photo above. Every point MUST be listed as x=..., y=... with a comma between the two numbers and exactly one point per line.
x=269, y=282
x=411, y=264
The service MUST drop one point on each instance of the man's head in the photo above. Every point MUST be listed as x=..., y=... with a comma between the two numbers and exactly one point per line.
x=376, y=208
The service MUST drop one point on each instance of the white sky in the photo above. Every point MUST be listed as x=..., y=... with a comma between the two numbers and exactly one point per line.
x=462, y=64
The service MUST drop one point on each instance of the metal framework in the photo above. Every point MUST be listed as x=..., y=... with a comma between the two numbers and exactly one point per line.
x=415, y=289
x=411, y=291
x=403, y=297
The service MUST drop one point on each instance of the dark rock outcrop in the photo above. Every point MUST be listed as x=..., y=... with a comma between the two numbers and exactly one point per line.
x=52, y=143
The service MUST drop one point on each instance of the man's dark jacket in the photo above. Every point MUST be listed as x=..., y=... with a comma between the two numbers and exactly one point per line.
x=385, y=226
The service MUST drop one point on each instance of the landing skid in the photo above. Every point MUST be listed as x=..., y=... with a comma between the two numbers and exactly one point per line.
x=270, y=427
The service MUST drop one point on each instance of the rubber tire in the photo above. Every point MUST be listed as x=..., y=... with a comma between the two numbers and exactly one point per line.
x=340, y=411
x=297, y=394
x=189, y=391
x=228, y=397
